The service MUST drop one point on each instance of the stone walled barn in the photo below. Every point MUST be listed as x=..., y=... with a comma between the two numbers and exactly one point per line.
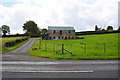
x=60, y=33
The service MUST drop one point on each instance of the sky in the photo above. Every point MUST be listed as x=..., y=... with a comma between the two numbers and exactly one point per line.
x=83, y=15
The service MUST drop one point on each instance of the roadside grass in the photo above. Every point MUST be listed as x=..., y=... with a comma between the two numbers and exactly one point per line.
x=94, y=47
x=8, y=39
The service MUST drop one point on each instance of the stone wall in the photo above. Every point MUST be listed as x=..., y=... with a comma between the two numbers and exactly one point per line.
x=61, y=34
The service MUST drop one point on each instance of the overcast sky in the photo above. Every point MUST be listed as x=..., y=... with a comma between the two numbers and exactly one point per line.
x=81, y=14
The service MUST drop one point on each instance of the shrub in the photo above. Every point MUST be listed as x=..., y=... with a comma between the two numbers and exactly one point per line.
x=13, y=43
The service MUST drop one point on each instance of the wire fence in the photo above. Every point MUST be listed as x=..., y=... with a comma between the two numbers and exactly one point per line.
x=80, y=48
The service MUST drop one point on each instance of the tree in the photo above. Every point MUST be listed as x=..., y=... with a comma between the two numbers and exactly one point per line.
x=103, y=29
x=5, y=29
x=31, y=28
x=96, y=28
x=109, y=28
x=44, y=31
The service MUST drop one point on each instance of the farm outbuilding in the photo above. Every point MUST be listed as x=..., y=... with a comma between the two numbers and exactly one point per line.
x=60, y=32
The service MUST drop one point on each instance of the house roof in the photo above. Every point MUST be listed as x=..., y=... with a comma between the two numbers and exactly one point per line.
x=60, y=28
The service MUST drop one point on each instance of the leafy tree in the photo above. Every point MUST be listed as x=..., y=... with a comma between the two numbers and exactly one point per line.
x=31, y=28
x=109, y=28
x=103, y=29
x=44, y=31
x=5, y=29
x=96, y=28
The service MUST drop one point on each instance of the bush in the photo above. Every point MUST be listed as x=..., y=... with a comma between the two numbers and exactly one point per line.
x=13, y=43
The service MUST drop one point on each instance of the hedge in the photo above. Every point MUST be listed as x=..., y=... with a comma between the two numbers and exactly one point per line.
x=13, y=43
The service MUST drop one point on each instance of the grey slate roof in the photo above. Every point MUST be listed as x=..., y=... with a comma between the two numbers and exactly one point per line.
x=60, y=28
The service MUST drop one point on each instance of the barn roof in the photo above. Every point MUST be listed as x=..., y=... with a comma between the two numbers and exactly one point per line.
x=60, y=28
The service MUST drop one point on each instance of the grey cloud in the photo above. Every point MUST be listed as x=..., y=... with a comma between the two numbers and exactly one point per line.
x=119, y=13
x=83, y=14
x=88, y=1
x=91, y=19
x=48, y=21
x=72, y=18
x=54, y=15
x=17, y=20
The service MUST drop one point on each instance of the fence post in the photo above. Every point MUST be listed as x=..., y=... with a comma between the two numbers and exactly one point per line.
x=104, y=47
x=53, y=47
x=70, y=46
x=45, y=46
x=84, y=47
x=40, y=44
x=62, y=48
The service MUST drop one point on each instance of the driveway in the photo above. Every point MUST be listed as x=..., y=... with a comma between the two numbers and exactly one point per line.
x=19, y=53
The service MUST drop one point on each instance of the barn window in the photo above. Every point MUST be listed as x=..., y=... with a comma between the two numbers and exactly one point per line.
x=69, y=31
x=54, y=31
x=54, y=37
x=58, y=37
x=62, y=37
x=68, y=37
x=61, y=32
x=65, y=37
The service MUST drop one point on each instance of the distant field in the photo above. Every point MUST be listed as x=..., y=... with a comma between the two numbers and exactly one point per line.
x=100, y=46
x=8, y=39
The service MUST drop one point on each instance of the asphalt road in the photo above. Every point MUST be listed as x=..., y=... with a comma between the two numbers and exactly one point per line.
x=18, y=64
x=61, y=69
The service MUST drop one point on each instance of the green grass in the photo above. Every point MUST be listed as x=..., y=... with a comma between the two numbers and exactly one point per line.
x=8, y=39
x=93, y=50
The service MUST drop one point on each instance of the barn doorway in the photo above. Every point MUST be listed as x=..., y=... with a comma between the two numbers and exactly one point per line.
x=50, y=38
x=66, y=37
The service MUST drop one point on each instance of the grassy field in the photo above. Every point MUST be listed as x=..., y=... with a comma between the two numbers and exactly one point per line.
x=8, y=39
x=100, y=46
